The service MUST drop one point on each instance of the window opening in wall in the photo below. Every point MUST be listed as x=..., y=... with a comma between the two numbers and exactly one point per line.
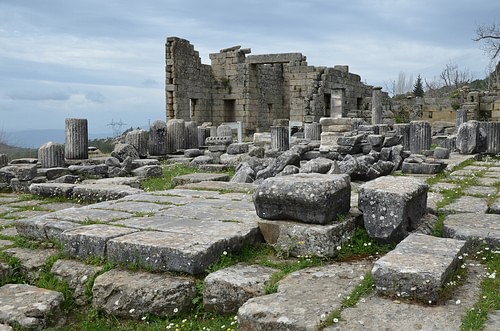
x=327, y=110
x=430, y=114
x=269, y=108
x=192, y=108
x=359, y=103
x=229, y=110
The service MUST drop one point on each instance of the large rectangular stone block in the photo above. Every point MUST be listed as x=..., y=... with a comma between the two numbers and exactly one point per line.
x=309, y=198
x=418, y=267
x=392, y=206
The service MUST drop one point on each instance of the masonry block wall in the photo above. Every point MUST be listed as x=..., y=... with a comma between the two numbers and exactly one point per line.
x=256, y=89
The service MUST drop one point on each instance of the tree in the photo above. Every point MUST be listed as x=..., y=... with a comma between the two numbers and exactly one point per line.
x=418, y=88
x=453, y=77
x=490, y=36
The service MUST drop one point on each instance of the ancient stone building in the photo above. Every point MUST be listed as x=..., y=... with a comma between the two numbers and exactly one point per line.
x=256, y=89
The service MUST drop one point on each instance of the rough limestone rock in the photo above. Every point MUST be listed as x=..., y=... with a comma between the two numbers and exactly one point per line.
x=308, y=198
x=319, y=165
x=30, y=307
x=237, y=148
x=290, y=157
x=303, y=299
x=31, y=261
x=471, y=138
x=76, y=274
x=418, y=267
x=22, y=172
x=244, y=174
x=392, y=206
x=122, y=151
x=148, y=171
x=137, y=294
x=226, y=290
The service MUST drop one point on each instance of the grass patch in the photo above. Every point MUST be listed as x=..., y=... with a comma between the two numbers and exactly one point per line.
x=165, y=182
x=360, y=246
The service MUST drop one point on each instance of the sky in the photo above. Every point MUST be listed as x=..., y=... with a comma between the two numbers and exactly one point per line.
x=104, y=60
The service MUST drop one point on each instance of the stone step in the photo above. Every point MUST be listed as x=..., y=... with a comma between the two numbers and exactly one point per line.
x=303, y=299
x=473, y=227
x=30, y=307
x=418, y=267
x=83, y=192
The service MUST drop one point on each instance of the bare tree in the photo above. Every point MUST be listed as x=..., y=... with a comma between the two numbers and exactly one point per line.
x=490, y=36
x=391, y=87
x=453, y=77
x=404, y=84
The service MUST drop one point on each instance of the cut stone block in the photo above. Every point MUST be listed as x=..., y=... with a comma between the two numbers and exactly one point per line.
x=199, y=177
x=418, y=267
x=308, y=198
x=43, y=227
x=137, y=294
x=466, y=204
x=52, y=189
x=392, y=206
x=76, y=274
x=31, y=261
x=226, y=290
x=100, y=192
x=30, y=307
x=304, y=297
x=299, y=239
x=91, y=240
x=429, y=168
x=221, y=186
x=473, y=227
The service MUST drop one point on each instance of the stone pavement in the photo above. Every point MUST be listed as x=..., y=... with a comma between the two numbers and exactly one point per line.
x=185, y=230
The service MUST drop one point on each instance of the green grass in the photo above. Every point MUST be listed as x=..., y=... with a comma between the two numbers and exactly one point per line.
x=360, y=246
x=165, y=182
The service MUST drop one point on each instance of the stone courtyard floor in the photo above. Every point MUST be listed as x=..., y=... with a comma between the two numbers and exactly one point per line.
x=179, y=233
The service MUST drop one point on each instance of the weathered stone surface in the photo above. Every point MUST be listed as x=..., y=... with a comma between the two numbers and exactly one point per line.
x=290, y=157
x=51, y=155
x=378, y=313
x=158, y=138
x=137, y=294
x=221, y=186
x=100, y=192
x=76, y=274
x=418, y=267
x=441, y=153
x=473, y=227
x=199, y=177
x=148, y=171
x=471, y=138
x=30, y=307
x=5, y=243
x=226, y=290
x=22, y=172
x=308, y=198
x=5, y=327
x=91, y=240
x=31, y=261
x=466, y=204
x=89, y=214
x=237, y=148
x=5, y=271
x=319, y=165
x=97, y=171
x=429, y=168
x=298, y=239
x=115, y=181
x=193, y=152
x=139, y=140
x=297, y=305
x=122, y=151
x=244, y=174
x=392, y=206
x=76, y=140
x=52, y=189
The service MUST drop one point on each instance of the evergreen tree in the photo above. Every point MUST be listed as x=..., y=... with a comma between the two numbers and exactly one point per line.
x=418, y=88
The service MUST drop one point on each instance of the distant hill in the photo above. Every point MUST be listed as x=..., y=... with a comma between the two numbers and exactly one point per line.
x=36, y=138
x=17, y=152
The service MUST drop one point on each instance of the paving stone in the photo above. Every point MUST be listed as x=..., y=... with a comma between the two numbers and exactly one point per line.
x=9, y=232
x=493, y=321
x=5, y=243
x=56, y=206
x=138, y=294
x=6, y=209
x=379, y=313
x=495, y=207
x=228, y=289
x=5, y=223
x=221, y=186
x=302, y=299
x=31, y=261
x=76, y=274
x=308, y=198
x=418, y=267
x=101, y=192
x=5, y=327
x=473, y=227
x=88, y=214
x=488, y=181
x=52, y=189
x=480, y=190
x=187, y=249
x=30, y=307
x=466, y=204
x=392, y=206
x=91, y=240
x=432, y=199
x=5, y=271
x=42, y=227
x=442, y=186
x=199, y=177
x=300, y=239
x=137, y=207
x=127, y=181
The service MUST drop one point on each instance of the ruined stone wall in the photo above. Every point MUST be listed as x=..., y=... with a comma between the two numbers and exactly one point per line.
x=188, y=82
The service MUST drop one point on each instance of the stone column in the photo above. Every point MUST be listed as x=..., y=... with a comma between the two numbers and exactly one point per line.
x=4, y=160
x=356, y=122
x=192, y=134
x=51, y=155
x=337, y=103
x=461, y=116
x=224, y=131
x=138, y=139
x=279, y=138
x=420, y=136
x=403, y=129
x=158, y=138
x=76, y=141
x=312, y=131
x=492, y=130
x=176, y=135
x=213, y=131
x=203, y=134
x=377, y=105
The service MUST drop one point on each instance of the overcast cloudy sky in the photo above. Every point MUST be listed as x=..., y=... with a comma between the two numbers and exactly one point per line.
x=104, y=59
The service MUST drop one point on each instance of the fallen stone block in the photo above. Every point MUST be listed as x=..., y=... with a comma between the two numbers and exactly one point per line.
x=473, y=227
x=226, y=290
x=303, y=299
x=299, y=239
x=199, y=177
x=52, y=189
x=91, y=240
x=418, y=267
x=392, y=206
x=309, y=198
x=30, y=307
x=31, y=261
x=428, y=168
x=137, y=294
x=101, y=192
